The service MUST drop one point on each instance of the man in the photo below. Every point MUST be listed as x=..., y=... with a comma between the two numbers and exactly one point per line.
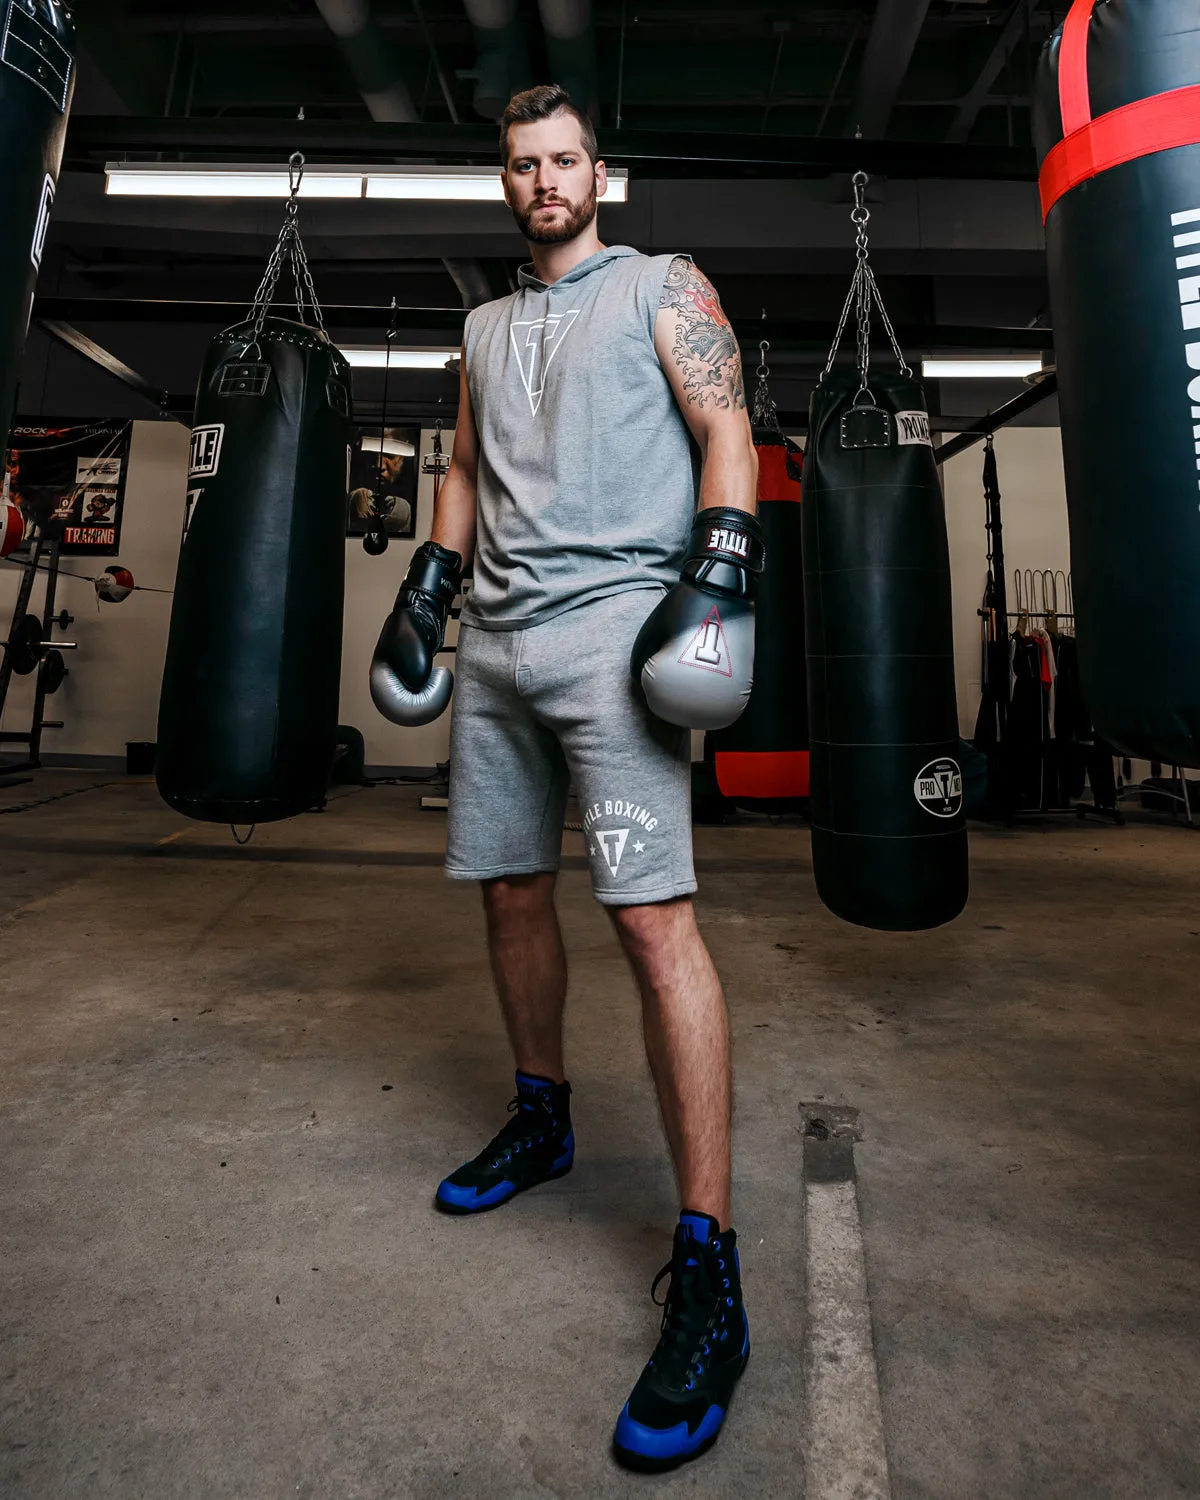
x=586, y=399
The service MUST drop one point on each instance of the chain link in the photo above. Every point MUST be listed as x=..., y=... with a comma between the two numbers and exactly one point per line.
x=289, y=247
x=864, y=292
x=764, y=413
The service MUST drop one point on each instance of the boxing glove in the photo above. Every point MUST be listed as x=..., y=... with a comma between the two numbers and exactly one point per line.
x=406, y=687
x=694, y=656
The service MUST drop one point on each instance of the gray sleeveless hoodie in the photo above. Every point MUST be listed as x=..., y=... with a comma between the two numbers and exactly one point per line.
x=588, y=477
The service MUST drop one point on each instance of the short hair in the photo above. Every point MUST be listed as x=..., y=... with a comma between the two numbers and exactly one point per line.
x=542, y=103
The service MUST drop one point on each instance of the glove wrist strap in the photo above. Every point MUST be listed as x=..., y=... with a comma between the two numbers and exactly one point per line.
x=434, y=571
x=724, y=534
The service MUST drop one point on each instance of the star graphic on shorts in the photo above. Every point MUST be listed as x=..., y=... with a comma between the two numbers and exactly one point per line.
x=639, y=848
x=591, y=848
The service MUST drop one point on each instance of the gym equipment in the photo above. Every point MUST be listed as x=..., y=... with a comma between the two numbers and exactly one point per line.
x=37, y=80
x=248, y=716
x=1117, y=127
x=888, y=829
x=115, y=584
x=762, y=760
x=694, y=656
x=12, y=529
x=406, y=687
x=30, y=648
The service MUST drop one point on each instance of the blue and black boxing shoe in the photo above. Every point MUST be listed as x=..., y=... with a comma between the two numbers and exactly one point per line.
x=677, y=1407
x=535, y=1146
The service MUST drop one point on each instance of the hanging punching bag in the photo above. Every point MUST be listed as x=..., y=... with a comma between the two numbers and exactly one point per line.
x=37, y=79
x=762, y=760
x=1117, y=127
x=888, y=828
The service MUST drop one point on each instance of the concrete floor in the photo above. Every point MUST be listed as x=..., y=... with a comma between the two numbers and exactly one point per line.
x=232, y=1077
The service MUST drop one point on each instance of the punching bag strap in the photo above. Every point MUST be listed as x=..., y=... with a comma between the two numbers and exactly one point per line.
x=1089, y=147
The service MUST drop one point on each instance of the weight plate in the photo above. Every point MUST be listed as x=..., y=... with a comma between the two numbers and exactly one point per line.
x=54, y=669
x=25, y=646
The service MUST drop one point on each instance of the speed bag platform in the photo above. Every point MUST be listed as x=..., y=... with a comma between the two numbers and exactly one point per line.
x=1117, y=129
x=761, y=760
x=247, y=728
x=37, y=80
x=889, y=837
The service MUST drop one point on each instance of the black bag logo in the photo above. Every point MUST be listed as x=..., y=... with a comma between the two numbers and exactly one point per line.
x=43, y=223
x=939, y=789
x=206, y=451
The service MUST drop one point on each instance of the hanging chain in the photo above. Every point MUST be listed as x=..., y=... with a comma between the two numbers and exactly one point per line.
x=864, y=291
x=393, y=329
x=290, y=247
x=764, y=413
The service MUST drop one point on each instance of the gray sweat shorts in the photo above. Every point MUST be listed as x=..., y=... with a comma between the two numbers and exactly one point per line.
x=539, y=709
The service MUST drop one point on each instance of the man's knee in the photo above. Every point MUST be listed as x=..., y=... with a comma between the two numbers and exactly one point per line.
x=647, y=930
x=517, y=897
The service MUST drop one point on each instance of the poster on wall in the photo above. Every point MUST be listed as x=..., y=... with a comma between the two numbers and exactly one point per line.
x=383, y=480
x=69, y=480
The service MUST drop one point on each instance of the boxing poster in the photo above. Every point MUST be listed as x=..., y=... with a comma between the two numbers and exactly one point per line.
x=383, y=480
x=69, y=480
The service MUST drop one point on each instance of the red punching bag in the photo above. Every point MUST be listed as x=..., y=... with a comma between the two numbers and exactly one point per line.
x=761, y=761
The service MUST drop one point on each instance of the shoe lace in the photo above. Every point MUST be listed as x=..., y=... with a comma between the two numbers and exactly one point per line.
x=527, y=1128
x=691, y=1308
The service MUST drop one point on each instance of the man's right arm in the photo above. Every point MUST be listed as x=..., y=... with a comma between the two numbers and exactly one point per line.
x=454, y=514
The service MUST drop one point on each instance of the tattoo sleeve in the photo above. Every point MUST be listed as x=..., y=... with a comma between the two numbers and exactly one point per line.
x=705, y=349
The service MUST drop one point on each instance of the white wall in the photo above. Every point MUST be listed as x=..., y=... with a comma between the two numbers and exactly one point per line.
x=111, y=695
x=1034, y=511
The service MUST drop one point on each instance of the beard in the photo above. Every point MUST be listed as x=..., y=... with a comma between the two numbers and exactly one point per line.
x=577, y=218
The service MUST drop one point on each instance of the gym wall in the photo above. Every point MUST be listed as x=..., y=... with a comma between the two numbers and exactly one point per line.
x=111, y=696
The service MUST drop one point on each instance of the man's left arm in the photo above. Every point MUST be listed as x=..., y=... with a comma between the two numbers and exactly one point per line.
x=698, y=350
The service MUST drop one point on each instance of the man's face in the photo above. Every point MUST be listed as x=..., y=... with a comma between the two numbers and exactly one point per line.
x=550, y=182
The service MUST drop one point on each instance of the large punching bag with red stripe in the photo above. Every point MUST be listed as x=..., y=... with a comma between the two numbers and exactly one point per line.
x=37, y=80
x=1117, y=127
x=761, y=761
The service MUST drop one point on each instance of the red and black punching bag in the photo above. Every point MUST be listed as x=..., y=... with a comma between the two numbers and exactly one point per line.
x=247, y=727
x=889, y=838
x=761, y=761
x=37, y=79
x=1117, y=127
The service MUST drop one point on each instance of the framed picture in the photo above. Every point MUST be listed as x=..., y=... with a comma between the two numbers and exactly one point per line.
x=69, y=479
x=383, y=480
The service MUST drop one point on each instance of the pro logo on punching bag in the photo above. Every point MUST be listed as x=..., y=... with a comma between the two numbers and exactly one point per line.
x=206, y=450
x=939, y=788
x=41, y=228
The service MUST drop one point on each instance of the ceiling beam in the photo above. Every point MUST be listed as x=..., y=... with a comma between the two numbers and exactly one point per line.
x=92, y=139
x=976, y=96
x=890, y=46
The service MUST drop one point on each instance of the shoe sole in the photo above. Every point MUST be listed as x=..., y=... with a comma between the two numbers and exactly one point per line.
x=639, y=1463
x=457, y=1211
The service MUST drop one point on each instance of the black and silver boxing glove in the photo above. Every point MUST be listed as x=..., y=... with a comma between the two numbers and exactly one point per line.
x=694, y=656
x=406, y=687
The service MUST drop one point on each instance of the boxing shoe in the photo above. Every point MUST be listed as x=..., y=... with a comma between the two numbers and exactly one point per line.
x=537, y=1145
x=678, y=1405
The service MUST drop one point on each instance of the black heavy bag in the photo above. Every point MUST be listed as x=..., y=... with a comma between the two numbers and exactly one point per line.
x=37, y=79
x=761, y=761
x=888, y=827
x=1117, y=124
x=247, y=726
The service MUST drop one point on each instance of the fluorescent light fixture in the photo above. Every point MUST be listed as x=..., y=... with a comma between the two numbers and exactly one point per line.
x=148, y=180
x=375, y=357
x=463, y=184
x=436, y=184
x=390, y=447
x=980, y=369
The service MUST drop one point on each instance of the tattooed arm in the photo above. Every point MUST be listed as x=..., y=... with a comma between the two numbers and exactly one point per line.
x=700, y=355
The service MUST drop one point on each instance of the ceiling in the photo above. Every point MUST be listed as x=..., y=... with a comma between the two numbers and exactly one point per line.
x=739, y=125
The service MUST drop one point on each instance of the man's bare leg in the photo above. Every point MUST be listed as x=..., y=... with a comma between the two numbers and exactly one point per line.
x=686, y=1027
x=529, y=965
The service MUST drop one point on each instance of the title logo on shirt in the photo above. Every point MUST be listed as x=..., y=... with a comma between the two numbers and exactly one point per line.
x=535, y=343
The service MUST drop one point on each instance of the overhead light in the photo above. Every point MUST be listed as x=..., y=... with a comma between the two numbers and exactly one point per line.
x=980, y=369
x=463, y=184
x=389, y=447
x=441, y=184
x=376, y=357
x=149, y=180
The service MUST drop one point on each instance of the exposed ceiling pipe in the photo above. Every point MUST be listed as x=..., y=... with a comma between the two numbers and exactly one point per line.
x=972, y=102
x=502, y=59
x=571, y=50
x=371, y=58
x=890, y=45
